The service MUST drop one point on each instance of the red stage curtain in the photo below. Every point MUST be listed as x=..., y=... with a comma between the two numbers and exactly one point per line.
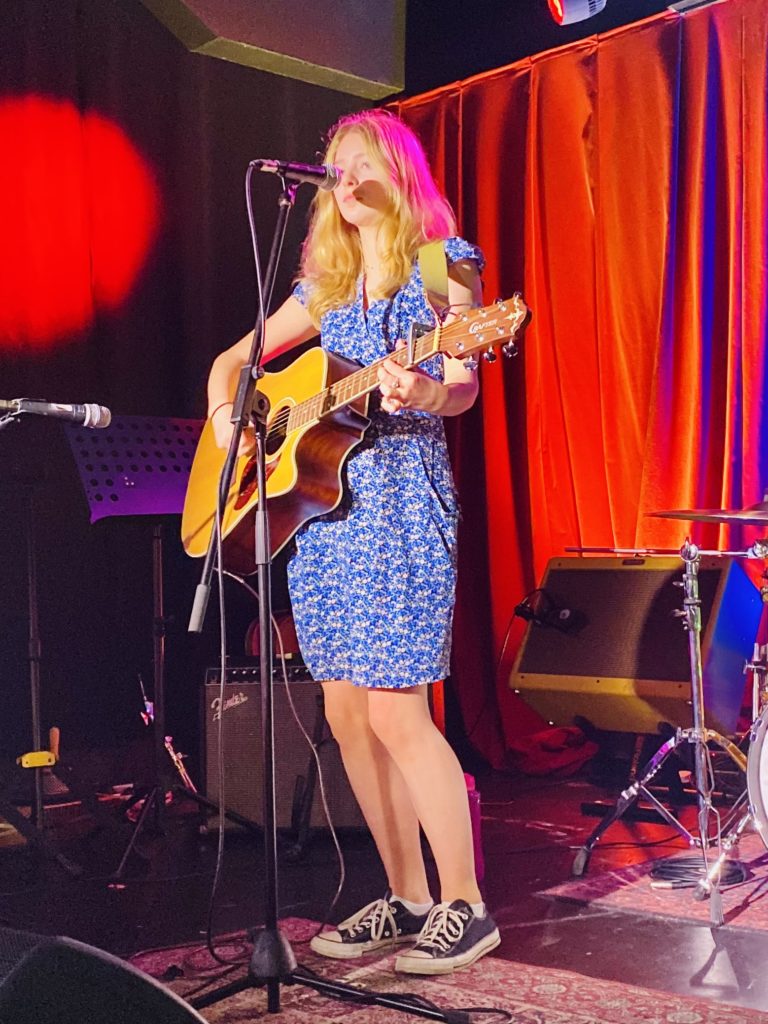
x=620, y=184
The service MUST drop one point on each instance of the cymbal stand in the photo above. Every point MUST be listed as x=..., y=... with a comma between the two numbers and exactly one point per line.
x=698, y=736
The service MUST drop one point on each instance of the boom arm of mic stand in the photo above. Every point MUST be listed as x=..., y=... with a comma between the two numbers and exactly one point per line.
x=242, y=406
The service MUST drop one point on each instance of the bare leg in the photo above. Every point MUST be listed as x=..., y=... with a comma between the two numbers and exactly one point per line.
x=401, y=720
x=380, y=790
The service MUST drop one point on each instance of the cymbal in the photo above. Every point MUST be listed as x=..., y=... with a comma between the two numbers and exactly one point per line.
x=753, y=515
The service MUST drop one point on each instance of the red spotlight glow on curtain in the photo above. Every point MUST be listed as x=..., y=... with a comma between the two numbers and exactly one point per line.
x=79, y=208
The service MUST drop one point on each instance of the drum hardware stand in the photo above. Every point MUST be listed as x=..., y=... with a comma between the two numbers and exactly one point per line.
x=758, y=667
x=698, y=736
x=272, y=961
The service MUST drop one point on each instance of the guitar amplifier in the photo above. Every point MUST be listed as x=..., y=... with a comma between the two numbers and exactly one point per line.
x=611, y=647
x=297, y=790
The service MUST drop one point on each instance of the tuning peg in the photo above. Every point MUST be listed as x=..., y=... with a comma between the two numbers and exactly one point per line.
x=471, y=363
x=489, y=356
x=510, y=350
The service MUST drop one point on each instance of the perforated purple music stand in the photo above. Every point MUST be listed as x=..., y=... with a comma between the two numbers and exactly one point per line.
x=140, y=466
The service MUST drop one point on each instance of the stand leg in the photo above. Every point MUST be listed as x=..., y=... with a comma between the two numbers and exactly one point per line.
x=712, y=877
x=334, y=989
x=149, y=800
x=211, y=805
x=625, y=801
x=37, y=836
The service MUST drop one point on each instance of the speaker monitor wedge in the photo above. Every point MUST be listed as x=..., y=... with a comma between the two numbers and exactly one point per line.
x=612, y=649
x=46, y=980
x=239, y=713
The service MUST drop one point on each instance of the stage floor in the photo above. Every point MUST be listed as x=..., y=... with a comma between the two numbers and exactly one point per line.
x=531, y=831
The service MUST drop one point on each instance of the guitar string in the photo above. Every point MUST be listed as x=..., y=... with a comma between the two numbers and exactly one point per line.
x=424, y=348
x=282, y=417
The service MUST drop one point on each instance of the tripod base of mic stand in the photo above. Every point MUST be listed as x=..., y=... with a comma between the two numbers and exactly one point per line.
x=273, y=964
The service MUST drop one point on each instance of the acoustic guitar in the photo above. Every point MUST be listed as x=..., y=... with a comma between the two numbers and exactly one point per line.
x=317, y=415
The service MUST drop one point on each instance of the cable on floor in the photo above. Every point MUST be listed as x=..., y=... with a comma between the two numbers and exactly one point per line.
x=687, y=872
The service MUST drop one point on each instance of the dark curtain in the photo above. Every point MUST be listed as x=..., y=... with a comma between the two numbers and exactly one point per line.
x=126, y=266
x=620, y=184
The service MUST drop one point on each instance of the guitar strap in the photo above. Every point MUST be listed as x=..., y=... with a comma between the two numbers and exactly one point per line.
x=434, y=273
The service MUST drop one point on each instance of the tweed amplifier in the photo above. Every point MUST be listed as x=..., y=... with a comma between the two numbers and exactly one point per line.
x=607, y=643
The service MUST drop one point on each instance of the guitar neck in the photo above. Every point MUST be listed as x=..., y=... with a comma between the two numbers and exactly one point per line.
x=361, y=382
x=477, y=330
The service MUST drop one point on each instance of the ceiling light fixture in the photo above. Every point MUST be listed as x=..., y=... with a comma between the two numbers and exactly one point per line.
x=565, y=12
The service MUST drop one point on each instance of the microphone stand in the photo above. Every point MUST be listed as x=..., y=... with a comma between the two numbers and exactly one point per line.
x=272, y=957
x=272, y=960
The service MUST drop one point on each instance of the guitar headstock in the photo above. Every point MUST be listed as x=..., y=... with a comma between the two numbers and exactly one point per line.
x=482, y=330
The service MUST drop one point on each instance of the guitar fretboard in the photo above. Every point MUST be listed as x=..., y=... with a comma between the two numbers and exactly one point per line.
x=361, y=381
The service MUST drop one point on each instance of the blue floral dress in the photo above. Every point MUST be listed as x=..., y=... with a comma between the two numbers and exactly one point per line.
x=372, y=583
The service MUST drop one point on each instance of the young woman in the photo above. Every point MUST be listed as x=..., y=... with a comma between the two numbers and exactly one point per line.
x=372, y=584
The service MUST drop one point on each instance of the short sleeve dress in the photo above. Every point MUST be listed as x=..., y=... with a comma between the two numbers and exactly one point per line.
x=372, y=583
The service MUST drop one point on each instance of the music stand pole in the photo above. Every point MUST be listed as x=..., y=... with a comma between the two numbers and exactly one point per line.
x=154, y=799
x=158, y=670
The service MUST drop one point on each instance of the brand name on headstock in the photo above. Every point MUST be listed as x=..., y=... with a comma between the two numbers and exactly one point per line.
x=482, y=325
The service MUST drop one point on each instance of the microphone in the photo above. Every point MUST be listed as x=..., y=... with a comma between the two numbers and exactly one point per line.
x=325, y=176
x=96, y=416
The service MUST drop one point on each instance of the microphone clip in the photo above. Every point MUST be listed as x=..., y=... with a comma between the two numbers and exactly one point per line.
x=541, y=609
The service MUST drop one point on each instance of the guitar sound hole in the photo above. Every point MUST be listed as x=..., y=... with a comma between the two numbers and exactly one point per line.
x=276, y=434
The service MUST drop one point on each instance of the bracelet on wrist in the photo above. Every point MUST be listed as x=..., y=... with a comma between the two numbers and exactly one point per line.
x=219, y=406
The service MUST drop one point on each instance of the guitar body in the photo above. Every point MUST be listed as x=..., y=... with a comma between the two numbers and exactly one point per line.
x=303, y=467
x=317, y=415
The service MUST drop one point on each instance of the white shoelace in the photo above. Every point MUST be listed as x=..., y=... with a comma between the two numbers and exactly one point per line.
x=443, y=928
x=375, y=916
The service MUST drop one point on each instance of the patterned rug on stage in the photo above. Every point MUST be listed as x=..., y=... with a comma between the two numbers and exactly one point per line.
x=745, y=905
x=530, y=995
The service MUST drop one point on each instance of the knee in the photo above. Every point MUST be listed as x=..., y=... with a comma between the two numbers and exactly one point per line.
x=347, y=719
x=397, y=732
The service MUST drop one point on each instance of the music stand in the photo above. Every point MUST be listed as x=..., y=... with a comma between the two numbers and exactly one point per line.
x=139, y=466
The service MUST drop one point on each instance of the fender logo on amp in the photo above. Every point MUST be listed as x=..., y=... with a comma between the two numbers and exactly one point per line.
x=219, y=707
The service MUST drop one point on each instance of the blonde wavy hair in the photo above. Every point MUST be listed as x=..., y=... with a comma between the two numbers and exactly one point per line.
x=416, y=213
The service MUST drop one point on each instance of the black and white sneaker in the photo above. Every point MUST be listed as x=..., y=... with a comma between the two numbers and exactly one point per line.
x=382, y=923
x=452, y=937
